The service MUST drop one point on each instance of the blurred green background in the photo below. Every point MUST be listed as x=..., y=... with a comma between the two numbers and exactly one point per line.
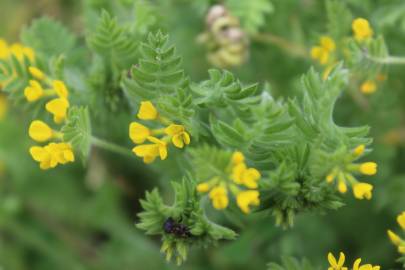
x=76, y=218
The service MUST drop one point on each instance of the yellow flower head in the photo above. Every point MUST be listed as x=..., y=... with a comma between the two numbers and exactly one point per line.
x=401, y=220
x=39, y=131
x=357, y=266
x=58, y=107
x=36, y=73
x=395, y=239
x=60, y=89
x=52, y=155
x=219, y=197
x=361, y=29
x=237, y=158
x=245, y=199
x=334, y=264
x=359, y=150
x=368, y=87
x=246, y=176
x=362, y=190
x=19, y=51
x=34, y=91
x=203, y=187
x=179, y=136
x=147, y=111
x=149, y=152
x=3, y=106
x=327, y=43
x=322, y=52
x=138, y=133
x=4, y=50
x=368, y=168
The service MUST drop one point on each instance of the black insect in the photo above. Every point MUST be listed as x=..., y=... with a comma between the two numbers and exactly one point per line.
x=175, y=228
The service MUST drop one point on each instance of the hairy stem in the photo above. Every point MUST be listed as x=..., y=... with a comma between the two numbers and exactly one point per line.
x=111, y=147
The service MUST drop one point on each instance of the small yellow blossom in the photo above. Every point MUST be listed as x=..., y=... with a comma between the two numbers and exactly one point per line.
x=337, y=265
x=246, y=176
x=179, y=136
x=368, y=87
x=60, y=88
x=149, y=152
x=368, y=168
x=401, y=220
x=58, y=107
x=147, y=111
x=362, y=190
x=36, y=73
x=219, y=197
x=359, y=150
x=52, y=155
x=34, y=91
x=203, y=187
x=361, y=29
x=245, y=199
x=237, y=158
x=3, y=106
x=39, y=131
x=323, y=51
x=342, y=187
x=138, y=132
x=19, y=51
x=4, y=50
x=395, y=239
x=357, y=266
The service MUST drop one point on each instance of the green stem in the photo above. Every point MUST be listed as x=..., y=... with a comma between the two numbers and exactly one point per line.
x=389, y=60
x=111, y=147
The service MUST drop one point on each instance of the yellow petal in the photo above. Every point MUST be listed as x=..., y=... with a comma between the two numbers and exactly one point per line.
x=362, y=190
x=341, y=261
x=144, y=150
x=60, y=88
x=332, y=260
x=163, y=151
x=37, y=153
x=368, y=87
x=401, y=220
x=147, y=111
x=138, y=132
x=203, y=187
x=359, y=150
x=36, y=73
x=246, y=198
x=395, y=239
x=174, y=129
x=58, y=107
x=237, y=158
x=327, y=43
x=39, y=131
x=178, y=141
x=361, y=29
x=186, y=138
x=356, y=264
x=368, y=168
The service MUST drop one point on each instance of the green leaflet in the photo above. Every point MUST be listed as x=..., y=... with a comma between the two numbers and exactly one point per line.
x=185, y=210
x=48, y=37
x=77, y=131
x=251, y=13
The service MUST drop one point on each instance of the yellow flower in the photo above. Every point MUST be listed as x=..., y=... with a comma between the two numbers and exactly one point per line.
x=395, y=239
x=368, y=87
x=52, y=155
x=342, y=187
x=20, y=51
x=3, y=106
x=149, y=152
x=336, y=265
x=357, y=266
x=39, y=131
x=219, y=197
x=359, y=150
x=58, y=107
x=401, y=220
x=36, y=73
x=246, y=198
x=203, y=187
x=179, y=135
x=138, y=133
x=361, y=29
x=327, y=43
x=60, y=88
x=368, y=168
x=34, y=91
x=147, y=111
x=237, y=158
x=4, y=50
x=246, y=176
x=362, y=190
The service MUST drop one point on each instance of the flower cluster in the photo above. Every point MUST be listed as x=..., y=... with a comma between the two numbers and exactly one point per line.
x=237, y=175
x=17, y=50
x=157, y=147
x=324, y=51
x=339, y=264
x=343, y=175
x=41, y=86
x=52, y=154
x=395, y=239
